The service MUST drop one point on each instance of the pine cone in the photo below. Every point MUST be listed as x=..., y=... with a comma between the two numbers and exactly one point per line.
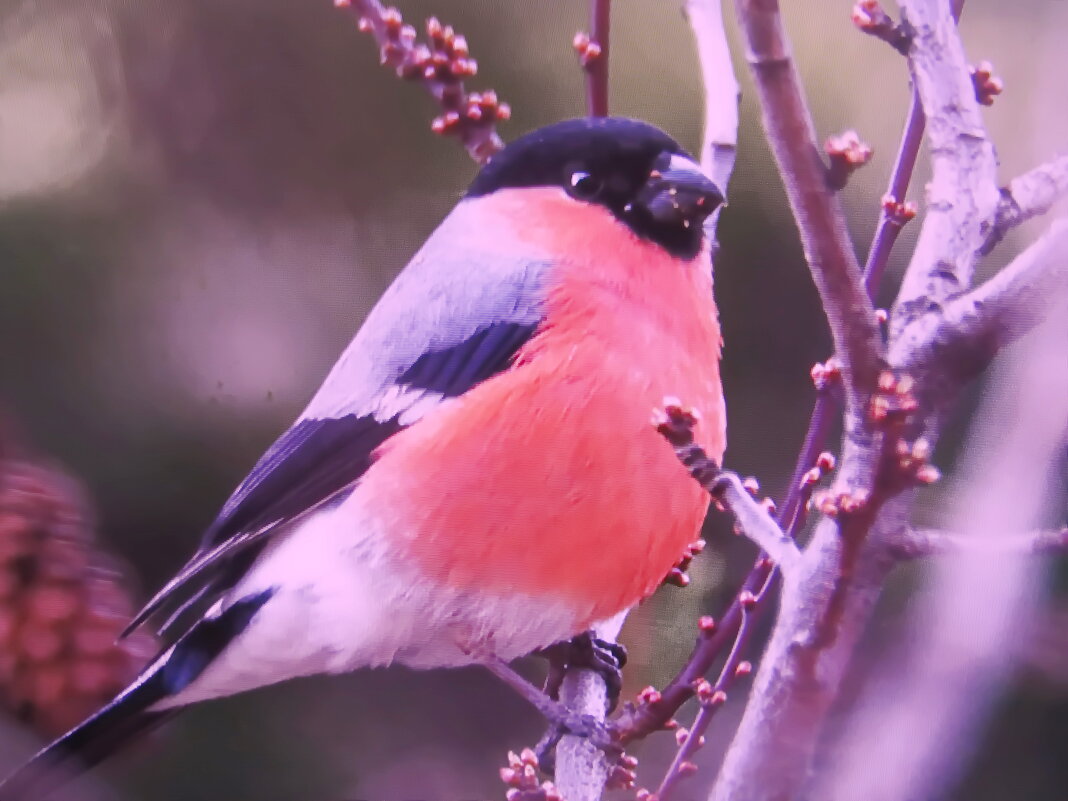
x=62, y=604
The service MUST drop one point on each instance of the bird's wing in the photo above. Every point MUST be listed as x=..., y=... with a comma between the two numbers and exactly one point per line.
x=453, y=318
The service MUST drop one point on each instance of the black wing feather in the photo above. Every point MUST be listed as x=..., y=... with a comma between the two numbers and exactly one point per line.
x=317, y=459
x=455, y=370
x=308, y=464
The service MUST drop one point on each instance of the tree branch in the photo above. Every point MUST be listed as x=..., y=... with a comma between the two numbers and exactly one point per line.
x=924, y=712
x=896, y=212
x=676, y=424
x=962, y=195
x=581, y=767
x=958, y=344
x=1027, y=196
x=712, y=697
x=720, y=146
x=441, y=66
x=817, y=210
x=800, y=672
x=593, y=55
x=919, y=543
x=842, y=571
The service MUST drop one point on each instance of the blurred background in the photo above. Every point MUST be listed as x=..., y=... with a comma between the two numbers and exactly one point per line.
x=199, y=203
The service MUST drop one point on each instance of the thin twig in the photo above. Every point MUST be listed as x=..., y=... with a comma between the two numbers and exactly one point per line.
x=441, y=66
x=973, y=327
x=714, y=696
x=596, y=66
x=720, y=146
x=1027, y=196
x=676, y=424
x=638, y=721
x=582, y=768
x=895, y=212
x=919, y=543
x=817, y=209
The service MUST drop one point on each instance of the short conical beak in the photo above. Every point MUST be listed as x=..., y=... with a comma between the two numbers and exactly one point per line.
x=679, y=192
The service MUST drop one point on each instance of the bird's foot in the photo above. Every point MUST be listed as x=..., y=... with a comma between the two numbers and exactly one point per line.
x=603, y=657
x=561, y=719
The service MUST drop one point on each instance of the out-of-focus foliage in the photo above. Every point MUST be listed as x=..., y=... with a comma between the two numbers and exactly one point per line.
x=200, y=201
x=63, y=603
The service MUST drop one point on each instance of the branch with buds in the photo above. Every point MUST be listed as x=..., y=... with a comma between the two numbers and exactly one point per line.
x=815, y=205
x=826, y=607
x=442, y=63
x=676, y=423
x=870, y=17
x=592, y=50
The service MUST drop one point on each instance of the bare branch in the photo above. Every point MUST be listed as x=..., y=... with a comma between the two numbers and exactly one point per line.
x=799, y=675
x=1027, y=196
x=958, y=344
x=712, y=697
x=816, y=207
x=441, y=66
x=714, y=637
x=720, y=146
x=896, y=211
x=839, y=580
x=962, y=195
x=582, y=768
x=592, y=49
x=919, y=543
x=925, y=713
x=753, y=520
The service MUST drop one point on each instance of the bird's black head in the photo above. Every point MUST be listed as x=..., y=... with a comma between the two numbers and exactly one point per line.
x=632, y=168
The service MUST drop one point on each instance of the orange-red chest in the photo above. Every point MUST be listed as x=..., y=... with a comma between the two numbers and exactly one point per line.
x=549, y=480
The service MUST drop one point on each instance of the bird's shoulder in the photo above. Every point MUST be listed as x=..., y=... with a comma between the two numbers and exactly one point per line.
x=454, y=317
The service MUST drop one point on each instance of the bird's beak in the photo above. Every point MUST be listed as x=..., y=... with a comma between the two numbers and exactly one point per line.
x=678, y=191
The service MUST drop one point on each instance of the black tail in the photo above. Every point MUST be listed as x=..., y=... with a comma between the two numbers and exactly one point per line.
x=104, y=733
x=131, y=713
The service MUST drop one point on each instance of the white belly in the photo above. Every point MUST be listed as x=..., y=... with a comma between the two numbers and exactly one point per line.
x=342, y=601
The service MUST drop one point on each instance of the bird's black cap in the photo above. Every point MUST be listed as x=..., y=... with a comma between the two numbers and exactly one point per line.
x=615, y=162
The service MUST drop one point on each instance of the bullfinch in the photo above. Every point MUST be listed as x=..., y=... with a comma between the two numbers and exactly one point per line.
x=477, y=478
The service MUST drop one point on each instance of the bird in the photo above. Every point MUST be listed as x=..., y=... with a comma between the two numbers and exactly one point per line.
x=477, y=478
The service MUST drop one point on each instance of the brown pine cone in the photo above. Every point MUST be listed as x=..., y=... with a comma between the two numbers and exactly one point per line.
x=63, y=603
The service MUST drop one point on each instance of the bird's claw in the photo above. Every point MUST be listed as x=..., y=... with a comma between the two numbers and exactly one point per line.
x=603, y=657
x=573, y=724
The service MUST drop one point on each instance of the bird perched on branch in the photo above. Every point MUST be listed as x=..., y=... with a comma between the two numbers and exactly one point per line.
x=477, y=478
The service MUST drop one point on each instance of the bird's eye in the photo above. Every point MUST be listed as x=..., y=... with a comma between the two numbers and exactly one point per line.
x=582, y=185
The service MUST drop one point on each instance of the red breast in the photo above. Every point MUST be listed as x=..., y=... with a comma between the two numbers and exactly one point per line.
x=548, y=479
